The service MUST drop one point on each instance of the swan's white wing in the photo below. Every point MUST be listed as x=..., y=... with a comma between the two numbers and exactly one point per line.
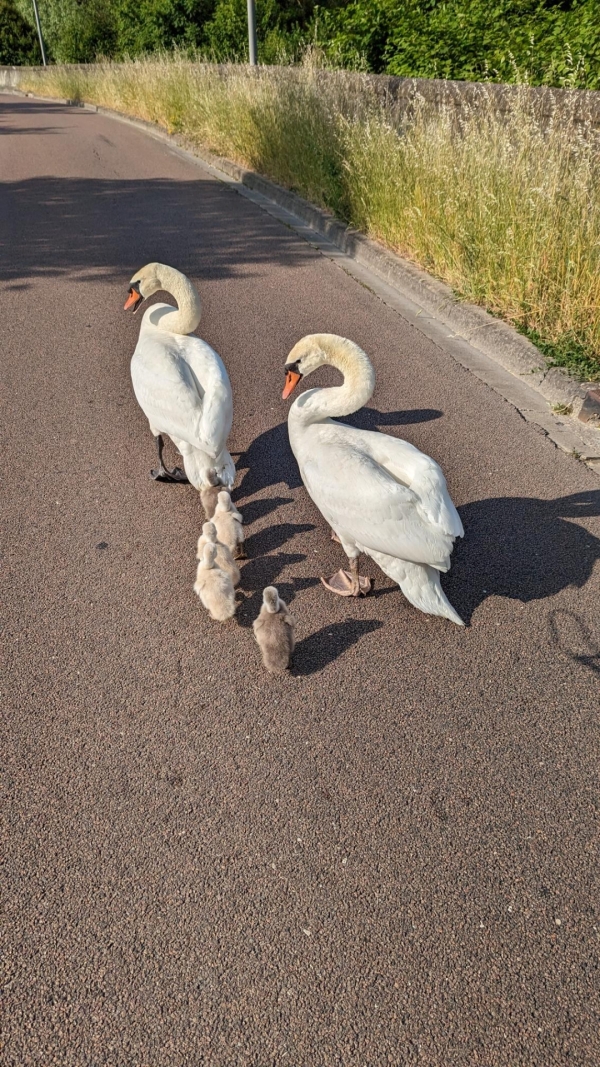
x=183, y=389
x=212, y=380
x=416, y=470
x=365, y=504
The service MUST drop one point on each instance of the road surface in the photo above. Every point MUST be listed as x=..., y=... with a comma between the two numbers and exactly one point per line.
x=388, y=857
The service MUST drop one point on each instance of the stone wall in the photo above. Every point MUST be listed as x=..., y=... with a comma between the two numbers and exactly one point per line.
x=582, y=105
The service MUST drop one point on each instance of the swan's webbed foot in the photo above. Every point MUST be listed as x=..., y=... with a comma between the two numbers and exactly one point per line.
x=348, y=583
x=161, y=473
x=334, y=537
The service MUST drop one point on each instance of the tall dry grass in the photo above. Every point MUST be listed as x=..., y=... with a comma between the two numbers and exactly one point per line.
x=504, y=209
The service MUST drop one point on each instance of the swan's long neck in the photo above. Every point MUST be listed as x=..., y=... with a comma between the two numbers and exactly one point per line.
x=189, y=308
x=357, y=387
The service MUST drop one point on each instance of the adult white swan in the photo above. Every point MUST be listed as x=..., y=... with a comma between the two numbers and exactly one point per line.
x=380, y=495
x=179, y=381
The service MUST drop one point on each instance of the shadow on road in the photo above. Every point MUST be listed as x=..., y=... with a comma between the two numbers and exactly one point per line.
x=35, y=130
x=258, y=509
x=318, y=650
x=275, y=536
x=60, y=225
x=522, y=548
x=268, y=461
x=570, y=635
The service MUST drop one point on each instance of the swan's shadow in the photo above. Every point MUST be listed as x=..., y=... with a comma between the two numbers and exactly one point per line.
x=269, y=459
x=371, y=419
x=522, y=548
x=262, y=571
x=318, y=650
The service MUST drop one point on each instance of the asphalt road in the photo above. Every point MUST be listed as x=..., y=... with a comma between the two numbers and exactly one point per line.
x=388, y=857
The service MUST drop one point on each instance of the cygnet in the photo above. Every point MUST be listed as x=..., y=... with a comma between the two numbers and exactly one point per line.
x=274, y=631
x=210, y=492
x=214, y=586
x=223, y=558
x=228, y=522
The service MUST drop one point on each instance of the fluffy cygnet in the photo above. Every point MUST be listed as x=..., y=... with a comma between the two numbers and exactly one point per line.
x=228, y=522
x=214, y=586
x=274, y=631
x=209, y=493
x=223, y=558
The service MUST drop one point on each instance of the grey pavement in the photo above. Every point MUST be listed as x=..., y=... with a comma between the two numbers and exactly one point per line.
x=391, y=855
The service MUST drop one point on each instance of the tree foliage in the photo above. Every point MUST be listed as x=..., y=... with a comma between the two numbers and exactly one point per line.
x=18, y=40
x=79, y=31
x=549, y=41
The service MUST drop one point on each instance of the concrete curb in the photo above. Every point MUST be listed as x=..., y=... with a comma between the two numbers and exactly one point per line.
x=428, y=303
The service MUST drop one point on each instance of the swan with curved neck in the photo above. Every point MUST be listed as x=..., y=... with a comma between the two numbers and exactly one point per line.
x=179, y=381
x=380, y=495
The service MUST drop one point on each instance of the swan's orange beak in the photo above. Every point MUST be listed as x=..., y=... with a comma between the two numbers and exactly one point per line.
x=134, y=298
x=291, y=381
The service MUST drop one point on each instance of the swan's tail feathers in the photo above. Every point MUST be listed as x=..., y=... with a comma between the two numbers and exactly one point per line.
x=225, y=469
x=420, y=584
x=200, y=468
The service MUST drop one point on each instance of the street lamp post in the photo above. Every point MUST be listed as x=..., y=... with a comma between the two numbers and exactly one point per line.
x=39, y=30
x=251, y=32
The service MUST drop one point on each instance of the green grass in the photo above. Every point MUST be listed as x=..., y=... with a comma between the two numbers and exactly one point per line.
x=507, y=212
x=567, y=353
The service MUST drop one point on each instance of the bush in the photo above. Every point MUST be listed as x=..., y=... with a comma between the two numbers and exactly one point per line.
x=89, y=30
x=548, y=41
x=552, y=41
x=79, y=31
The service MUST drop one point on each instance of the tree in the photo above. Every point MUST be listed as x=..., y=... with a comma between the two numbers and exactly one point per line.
x=89, y=30
x=152, y=25
x=19, y=45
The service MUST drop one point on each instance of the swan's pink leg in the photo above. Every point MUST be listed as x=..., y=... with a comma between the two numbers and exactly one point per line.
x=348, y=584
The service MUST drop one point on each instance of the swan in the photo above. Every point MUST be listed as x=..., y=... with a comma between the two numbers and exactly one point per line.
x=179, y=381
x=380, y=495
